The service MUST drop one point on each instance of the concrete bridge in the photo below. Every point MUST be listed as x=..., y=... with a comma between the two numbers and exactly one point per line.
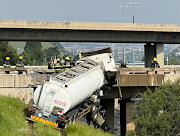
x=88, y=32
x=149, y=34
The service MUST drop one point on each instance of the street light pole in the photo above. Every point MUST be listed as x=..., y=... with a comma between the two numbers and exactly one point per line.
x=111, y=44
x=133, y=4
x=109, y=18
x=123, y=7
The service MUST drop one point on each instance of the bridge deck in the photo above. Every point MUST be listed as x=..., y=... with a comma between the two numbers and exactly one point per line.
x=89, y=26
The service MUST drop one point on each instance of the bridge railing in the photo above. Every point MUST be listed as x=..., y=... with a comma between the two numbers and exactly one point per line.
x=147, y=76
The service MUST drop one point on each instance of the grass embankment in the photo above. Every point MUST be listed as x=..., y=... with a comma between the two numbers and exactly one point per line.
x=13, y=123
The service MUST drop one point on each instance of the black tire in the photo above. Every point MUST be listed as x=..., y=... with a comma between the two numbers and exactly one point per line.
x=61, y=124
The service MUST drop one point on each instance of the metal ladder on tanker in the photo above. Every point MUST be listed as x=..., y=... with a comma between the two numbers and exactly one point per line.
x=47, y=102
x=75, y=71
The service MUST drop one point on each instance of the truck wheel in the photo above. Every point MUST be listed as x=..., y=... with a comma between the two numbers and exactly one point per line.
x=62, y=125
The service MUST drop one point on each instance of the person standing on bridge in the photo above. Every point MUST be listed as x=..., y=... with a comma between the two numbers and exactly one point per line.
x=154, y=63
x=50, y=64
x=123, y=65
x=7, y=64
x=58, y=66
x=20, y=64
x=67, y=64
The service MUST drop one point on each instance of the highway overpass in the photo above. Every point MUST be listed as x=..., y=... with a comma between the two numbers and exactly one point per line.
x=154, y=36
x=88, y=32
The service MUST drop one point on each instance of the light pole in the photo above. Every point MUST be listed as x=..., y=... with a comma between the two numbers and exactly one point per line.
x=133, y=57
x=44, y=60
x=133, y=4
x=107, y=18
x=111, y=44
x=169, y=59
x=123, y=7
x=33, y=62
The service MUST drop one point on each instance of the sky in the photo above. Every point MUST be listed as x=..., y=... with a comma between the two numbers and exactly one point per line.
x=148, y=11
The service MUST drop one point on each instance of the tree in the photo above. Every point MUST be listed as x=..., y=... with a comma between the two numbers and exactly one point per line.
x=52, y=51
x=35, y=52
x=171, y=61
x=7, y=50
x=63, y=51
x=159, y=111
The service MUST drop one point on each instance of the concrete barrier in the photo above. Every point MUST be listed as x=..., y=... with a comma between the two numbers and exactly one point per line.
x=24, y=94
x=21, y=81
x=1, y=81
x=8, y=80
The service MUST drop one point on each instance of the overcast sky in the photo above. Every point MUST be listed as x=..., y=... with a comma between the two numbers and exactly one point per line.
x=148, y=11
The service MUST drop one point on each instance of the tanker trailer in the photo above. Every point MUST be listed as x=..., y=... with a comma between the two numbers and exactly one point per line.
x=72, y=94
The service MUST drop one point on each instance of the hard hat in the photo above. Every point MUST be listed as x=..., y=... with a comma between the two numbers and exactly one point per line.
x=20, y=57
x=58, y=59
x=67, y=58
x=7, y=58
x=154, y=59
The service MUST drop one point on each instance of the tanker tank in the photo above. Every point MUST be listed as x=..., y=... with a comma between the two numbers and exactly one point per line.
x=76, y=90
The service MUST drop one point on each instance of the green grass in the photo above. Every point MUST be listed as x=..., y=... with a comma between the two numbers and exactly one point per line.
x=77, y=129
x=41, y=130
x=13, y=123
x=16, y=45
x=80, y=129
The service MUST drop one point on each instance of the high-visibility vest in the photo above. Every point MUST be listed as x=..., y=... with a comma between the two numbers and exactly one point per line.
x=67, y=65
x=7, y=64
x=58, y=66
x=20, y=63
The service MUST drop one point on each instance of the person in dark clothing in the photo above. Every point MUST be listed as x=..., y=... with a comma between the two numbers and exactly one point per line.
x=74, y=63
x=7, y=64
x=20, y=64
x=155, y=64
x=58, y=65
x=124, y=65
x=50, y=64
x=67, y=64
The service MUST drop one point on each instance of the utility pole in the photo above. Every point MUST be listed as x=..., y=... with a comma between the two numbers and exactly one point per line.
x=123, y=7
x=133, y=4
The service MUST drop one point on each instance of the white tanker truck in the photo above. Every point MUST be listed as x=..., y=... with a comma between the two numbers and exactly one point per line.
x=72, y=94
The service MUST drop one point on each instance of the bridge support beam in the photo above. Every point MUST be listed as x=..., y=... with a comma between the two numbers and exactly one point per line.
x=123, y=117
x=108, y=105
x=151, y=51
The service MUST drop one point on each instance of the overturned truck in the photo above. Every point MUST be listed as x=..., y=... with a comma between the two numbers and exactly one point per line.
x=72, y=94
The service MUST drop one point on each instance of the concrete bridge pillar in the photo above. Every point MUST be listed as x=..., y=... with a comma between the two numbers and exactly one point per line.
x=149, y=54
x=151, y=51
x=123, y=117
x=108, y=105
x=160, y=54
